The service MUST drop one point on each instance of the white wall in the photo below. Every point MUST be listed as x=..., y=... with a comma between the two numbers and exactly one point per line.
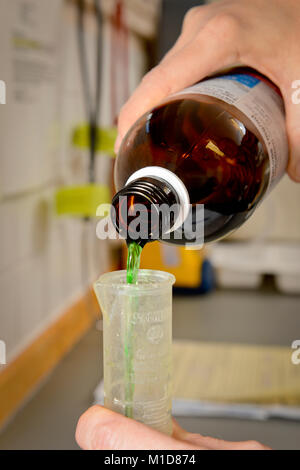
x=40, y=254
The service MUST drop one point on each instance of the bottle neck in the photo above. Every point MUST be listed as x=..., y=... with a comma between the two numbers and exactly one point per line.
x=147, y=208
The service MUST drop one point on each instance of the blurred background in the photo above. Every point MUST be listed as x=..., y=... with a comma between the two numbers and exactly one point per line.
x=236, y=303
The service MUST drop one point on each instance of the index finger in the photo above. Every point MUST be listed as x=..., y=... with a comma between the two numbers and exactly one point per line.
x=102, y=429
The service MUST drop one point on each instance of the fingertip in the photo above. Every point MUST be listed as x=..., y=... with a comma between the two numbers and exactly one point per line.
x=293, y=169
x=293, y=133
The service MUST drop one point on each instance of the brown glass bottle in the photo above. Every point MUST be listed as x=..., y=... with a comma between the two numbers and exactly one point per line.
x=224, y=156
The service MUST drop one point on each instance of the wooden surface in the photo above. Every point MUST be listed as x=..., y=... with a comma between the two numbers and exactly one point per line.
x=20, y=377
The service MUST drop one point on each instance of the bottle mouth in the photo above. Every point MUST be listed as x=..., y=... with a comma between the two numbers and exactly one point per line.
x=178, y=187
x=145, y=209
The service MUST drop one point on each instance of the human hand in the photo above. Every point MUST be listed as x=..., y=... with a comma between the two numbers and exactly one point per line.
x=102, y=429
x=263, y=34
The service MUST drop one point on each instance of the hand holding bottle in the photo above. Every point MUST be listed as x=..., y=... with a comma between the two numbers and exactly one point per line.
x=263, y=34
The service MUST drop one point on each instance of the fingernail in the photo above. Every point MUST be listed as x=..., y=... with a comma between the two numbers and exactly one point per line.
x=118, y=143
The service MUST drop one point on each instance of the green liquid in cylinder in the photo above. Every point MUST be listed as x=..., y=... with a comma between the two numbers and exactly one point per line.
x=133, y=263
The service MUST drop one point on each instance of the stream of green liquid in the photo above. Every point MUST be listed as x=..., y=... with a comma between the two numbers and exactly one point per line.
x=133, y=263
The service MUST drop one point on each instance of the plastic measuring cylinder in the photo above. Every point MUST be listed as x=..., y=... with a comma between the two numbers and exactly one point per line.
x=137, y=342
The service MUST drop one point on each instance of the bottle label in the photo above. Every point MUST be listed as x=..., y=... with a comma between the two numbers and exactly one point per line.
x=263, y=106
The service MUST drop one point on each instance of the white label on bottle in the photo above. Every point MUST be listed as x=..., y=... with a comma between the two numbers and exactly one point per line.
x=261, y=104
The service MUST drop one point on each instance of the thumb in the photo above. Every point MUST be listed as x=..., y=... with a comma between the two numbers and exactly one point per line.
x=102, y=429
x=292, y=103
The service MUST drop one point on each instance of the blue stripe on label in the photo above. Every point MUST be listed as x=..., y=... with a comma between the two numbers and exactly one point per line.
x=243, y=78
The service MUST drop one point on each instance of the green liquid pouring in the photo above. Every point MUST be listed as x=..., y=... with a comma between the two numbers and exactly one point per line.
x=133, y=263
